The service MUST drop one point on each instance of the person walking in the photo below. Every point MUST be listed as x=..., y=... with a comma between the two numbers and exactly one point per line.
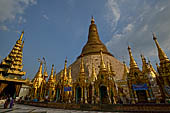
x=11, y=102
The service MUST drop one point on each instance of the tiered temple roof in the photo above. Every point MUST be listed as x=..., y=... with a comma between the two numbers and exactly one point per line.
x=11, y=66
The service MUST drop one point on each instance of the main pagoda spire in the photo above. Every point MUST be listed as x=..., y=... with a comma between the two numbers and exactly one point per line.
x=94, y=44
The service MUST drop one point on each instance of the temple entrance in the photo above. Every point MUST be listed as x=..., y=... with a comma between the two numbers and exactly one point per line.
x=90, y=94
x=103, y=95
x=10, y=90
x=142, y=97
x=58, y=94
x=78, y=94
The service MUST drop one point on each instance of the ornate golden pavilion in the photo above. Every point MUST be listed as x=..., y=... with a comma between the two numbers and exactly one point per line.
x=104, y=83
x=11, y=71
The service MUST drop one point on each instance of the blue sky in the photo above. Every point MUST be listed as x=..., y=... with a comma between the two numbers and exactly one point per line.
x=58, y=29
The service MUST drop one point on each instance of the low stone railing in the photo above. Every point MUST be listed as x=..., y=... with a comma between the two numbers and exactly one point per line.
x=104, y=107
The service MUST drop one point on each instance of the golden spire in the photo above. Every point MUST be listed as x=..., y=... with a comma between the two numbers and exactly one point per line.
x=102, y=65
x=93, y=75
x=82, y=65
x=21, y=36
x=161, y=53
x=94, y=44
x=39, y=73
x=132, y=61
x=126, y=71
x=65, y=70
x=52, y=71
x=38, y=77
x=145, y=67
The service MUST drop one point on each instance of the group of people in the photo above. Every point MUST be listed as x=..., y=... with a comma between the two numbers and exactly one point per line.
x=9, y=103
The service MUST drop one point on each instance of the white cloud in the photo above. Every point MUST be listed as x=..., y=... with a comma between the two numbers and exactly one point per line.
x=10, y=8
x=4, y=28
x=135, y=27
x=45, y=17
x=128, y=28
x=144, y=28
x=114, y=13
x=21, y=20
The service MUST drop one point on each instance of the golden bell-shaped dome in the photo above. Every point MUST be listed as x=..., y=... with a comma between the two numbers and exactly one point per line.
x=94, y=44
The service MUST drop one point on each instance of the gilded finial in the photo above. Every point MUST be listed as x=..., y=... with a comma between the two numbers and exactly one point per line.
x=65, y=69
x=92, y=20
x=154, y=36
x=21, y=36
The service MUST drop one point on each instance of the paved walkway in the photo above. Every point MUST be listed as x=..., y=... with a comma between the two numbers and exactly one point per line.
x=31, y=109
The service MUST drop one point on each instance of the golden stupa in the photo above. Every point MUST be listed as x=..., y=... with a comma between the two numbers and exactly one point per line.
x=91, y=55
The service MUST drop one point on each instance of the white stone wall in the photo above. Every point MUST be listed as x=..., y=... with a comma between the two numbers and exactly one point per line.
x=116, y=65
